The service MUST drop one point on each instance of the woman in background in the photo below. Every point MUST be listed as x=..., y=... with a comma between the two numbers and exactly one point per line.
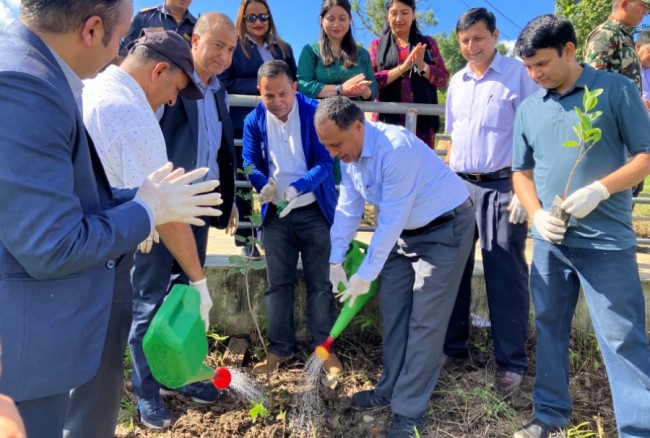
x=408, y=66
x=258, y=43
x=335, y=64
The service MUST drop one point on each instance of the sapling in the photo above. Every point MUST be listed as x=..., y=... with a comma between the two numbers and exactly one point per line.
x=587, y=136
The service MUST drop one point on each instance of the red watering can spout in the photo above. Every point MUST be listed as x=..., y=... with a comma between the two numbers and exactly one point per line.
x=323, y=350
x=222, y=378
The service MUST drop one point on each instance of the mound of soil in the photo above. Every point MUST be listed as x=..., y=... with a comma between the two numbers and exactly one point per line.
x=463, y=405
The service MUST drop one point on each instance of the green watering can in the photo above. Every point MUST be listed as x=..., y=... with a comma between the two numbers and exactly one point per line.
x=175, y=344
x=353, y=259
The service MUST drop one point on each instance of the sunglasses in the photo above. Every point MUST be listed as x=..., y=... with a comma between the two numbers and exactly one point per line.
x=252, y=18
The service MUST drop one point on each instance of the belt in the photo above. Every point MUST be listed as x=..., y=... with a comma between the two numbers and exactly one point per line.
x=442, y=219
x=504, y=173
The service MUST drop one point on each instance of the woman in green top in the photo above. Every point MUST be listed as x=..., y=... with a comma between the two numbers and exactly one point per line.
x=335, y=64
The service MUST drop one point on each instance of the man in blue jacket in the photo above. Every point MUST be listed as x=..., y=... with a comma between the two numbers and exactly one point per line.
x=291, y=165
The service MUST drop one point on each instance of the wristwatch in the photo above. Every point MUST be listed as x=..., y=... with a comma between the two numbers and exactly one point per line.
x=339, y=89
x=420, y=72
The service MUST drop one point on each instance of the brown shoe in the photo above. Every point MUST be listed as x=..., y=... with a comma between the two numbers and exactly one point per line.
x=269, y=364
x=332, y=366
x=507, y=381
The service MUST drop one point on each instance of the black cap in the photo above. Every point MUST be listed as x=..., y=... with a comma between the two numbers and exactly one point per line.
x=178, y=50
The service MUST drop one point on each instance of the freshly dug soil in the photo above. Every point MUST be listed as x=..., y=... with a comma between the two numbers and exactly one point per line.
x=463, y=405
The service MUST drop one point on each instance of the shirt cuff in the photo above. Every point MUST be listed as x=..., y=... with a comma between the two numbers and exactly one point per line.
x=338, y=255
x=149, y=212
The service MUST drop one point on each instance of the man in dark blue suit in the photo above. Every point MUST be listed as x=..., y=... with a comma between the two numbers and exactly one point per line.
x=197, y=133
x=62, y=229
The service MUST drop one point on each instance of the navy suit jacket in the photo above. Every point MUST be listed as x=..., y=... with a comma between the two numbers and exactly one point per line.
x=60, y=228
x=180, y=125
x=241, y=77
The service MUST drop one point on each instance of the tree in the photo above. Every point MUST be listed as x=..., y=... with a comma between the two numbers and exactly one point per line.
x=373, y=15
x=584, y=15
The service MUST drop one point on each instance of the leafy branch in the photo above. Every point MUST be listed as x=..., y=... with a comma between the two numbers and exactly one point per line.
x=587, y=135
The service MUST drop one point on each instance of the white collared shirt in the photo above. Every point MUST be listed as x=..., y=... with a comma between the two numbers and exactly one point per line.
x=287, y=161
x=123, y=127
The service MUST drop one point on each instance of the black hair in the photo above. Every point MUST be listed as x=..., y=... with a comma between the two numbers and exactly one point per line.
x=349, y=48
x=60, y=16
x=414, y=30
x=340, y=110
x=544, y=32
x=273, y=69
x=475, y=16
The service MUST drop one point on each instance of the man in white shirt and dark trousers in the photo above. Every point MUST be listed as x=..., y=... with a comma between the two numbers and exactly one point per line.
x=426, y=224
x=291, y=165
x=118, y=109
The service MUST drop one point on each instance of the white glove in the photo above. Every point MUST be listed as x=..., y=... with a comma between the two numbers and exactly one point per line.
x=357, y=286
x=551, y=229
x=291, y=196
x=146, y=245
x=583, y=201
x=233, y=222
x=517, y=211
x=268, y=192
x=171, y=198
x=206, y=301
x=337, y=276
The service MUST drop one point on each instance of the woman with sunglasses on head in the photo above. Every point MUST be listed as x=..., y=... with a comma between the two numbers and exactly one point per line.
x=408, y=66
x=258, y=43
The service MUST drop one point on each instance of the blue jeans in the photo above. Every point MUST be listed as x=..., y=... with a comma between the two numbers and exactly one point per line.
x=304, y=232
x=610, y=281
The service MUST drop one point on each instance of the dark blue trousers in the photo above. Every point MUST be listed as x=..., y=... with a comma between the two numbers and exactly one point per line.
x=152, y=277
x=506, y=279
x=44, y=417
x=94, y=406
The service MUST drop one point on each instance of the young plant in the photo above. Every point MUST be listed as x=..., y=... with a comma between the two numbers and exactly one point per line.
x=258, y=410
x=587, y=135
x=245, y=266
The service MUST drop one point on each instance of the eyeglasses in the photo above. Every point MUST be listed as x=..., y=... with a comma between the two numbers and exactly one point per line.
x=252, y=18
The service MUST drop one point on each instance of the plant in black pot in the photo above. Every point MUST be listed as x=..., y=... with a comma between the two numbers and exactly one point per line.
x=587, y=137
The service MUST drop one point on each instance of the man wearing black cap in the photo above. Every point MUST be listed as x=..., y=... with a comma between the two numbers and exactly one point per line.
x=197, y=133
x=118, y=109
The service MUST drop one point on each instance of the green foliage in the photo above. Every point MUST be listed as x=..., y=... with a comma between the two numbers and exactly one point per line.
x=258, y=410
x=584, y=129
x=492, y=404
x=373, y=15
x=584, y=15
x=582, y=430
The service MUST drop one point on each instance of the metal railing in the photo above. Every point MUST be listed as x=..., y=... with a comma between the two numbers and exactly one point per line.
x=411, y=110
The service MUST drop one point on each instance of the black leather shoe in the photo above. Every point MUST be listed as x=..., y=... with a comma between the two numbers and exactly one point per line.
x=367, y=401
x=507, y=381
x=537, y=429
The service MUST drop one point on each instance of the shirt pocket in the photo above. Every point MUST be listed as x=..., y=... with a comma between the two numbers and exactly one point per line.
x=499, y=114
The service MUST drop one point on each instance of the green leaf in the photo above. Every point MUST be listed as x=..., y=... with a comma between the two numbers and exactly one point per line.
x=258, y=410
x=570, y=144
x=236, y=260
x=256, y=220
x=239, y=238
x=232, y=271
x=258, y=265
x=598, y=134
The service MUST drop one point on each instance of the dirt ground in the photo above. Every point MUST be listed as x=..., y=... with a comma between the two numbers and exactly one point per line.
x=463, y=405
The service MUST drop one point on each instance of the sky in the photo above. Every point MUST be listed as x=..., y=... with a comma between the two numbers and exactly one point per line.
x=297, y=20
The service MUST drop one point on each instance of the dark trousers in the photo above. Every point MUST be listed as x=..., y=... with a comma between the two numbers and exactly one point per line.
x=151, y=281
x=44, y=417
x=506, y=279
x=304, y=232
x=243, y=205
x=94, y=406
x=417, y=289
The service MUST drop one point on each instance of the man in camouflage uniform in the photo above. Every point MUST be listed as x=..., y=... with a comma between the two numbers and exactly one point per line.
x=171, y=15
x=610, y=46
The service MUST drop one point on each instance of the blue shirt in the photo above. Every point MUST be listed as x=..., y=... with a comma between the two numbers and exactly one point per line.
x=210, y=128
x=545, y=121
x=405, y=178
x=480, y=114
